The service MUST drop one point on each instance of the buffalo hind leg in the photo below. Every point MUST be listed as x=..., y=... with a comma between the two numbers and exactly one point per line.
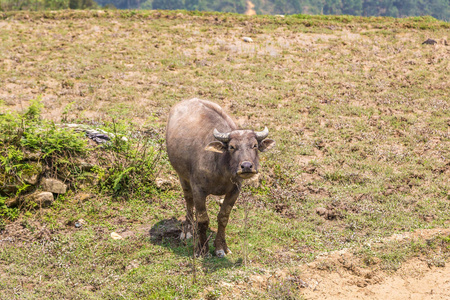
x=222, y=220
x=186, y=232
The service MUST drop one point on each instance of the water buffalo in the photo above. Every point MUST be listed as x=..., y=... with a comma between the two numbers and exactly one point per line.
x=212, y=157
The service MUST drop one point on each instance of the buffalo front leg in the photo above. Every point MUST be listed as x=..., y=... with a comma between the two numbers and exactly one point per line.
x=188, y=224
x=222, y=219
x=202, y=222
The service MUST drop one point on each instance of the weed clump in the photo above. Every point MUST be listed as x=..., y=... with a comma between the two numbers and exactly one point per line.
x=129, y=167
x=32, y=148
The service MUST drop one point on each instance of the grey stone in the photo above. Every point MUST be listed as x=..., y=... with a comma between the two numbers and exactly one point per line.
x=31, y=175
x=85, y=166
x=80, y=223
x=53, y=185
x=321, y=211
x=34, y=156
x=165, y=184
x=42, y=199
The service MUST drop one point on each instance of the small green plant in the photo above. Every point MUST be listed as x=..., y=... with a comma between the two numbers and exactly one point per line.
x=132, y=164
x=22, y=135
x=213, y=295
x=66, y=111
x=34, y=110
x=12, y=159
x=53, y=140
x=7, y=213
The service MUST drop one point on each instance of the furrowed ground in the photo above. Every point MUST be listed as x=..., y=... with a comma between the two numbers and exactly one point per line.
x=353, y=202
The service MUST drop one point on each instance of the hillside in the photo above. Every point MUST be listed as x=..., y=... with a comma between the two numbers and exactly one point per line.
x=352, y=203
x=439, y=9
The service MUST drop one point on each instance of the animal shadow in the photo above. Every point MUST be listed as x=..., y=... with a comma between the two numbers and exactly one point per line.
x=166, y=233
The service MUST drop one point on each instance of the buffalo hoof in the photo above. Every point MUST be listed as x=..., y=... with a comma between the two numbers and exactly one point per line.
x=220, y=253
x=185, y=236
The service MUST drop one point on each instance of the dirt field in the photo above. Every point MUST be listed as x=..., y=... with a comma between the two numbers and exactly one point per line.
x=354, y=202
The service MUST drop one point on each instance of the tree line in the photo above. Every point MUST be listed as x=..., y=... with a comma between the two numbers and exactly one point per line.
x=439, y=9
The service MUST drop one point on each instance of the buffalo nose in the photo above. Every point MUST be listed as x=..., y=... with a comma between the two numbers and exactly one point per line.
x=246, y=165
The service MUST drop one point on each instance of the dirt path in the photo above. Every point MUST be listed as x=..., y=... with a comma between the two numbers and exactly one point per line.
x=340, y=275
x=250, y=9
x=415, y=280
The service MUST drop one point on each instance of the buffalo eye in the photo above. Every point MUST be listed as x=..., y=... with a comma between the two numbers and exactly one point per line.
x=255, y=146
x=231, y=147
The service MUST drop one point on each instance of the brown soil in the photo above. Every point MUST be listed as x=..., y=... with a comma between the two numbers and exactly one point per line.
x=415, y=280
x=340, y=275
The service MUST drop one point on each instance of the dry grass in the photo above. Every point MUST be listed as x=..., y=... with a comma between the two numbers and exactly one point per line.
x=359, y=109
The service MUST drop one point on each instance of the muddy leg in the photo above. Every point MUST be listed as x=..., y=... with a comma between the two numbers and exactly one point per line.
x=187, y=226
x=222, y=220
x=202, y=221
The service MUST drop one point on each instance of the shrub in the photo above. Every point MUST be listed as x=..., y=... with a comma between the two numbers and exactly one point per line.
x=130, y=165
x=26, y=133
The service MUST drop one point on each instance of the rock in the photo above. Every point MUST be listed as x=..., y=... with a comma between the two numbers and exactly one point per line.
x=247, y=39
x=326, y=213
x=34, y=156
x=53, y=185
x=80, y=223
x=116, y=236
x=429, y=42
x=98, y=137
x=331, y=215
x=164, y=184
x=31, y=175
x=42, y=199
x=85, y=166
x=321, y=211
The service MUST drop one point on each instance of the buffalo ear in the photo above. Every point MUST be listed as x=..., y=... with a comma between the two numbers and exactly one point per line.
x=216, y=146
x=266, y=144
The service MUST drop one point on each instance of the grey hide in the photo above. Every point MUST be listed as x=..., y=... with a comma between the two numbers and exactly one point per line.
x=212, y=157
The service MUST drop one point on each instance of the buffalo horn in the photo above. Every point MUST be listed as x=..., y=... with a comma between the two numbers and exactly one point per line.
x=223, y=137
x=260, y=135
